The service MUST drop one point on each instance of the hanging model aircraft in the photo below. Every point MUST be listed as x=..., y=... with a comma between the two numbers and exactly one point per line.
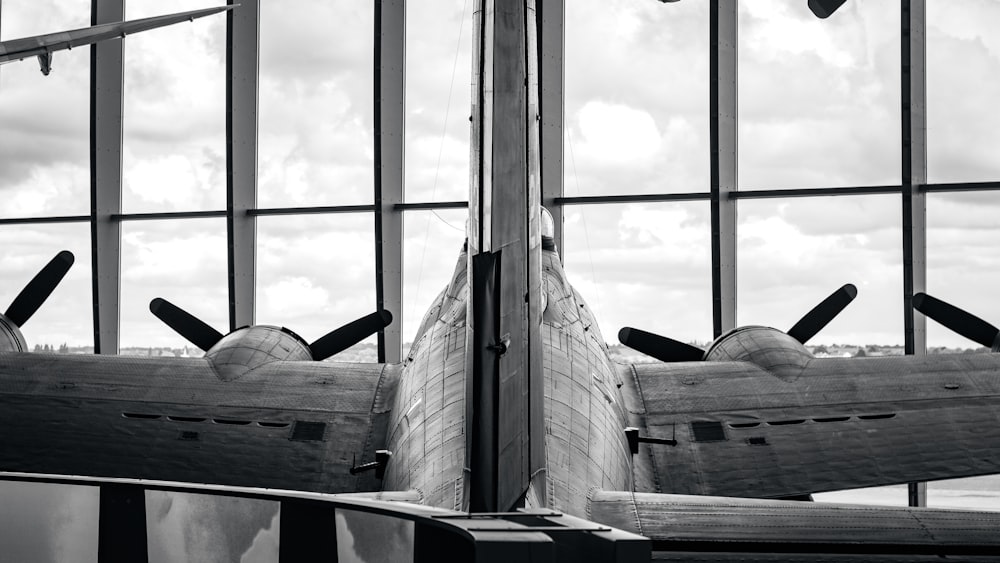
x=508, y=398
x=44, y=46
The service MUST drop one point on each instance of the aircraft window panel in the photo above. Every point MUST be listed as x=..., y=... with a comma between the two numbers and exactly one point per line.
x=45, y=146
x=438, y=98
x=316, y=273
x=644, y=265
x=64, y=322
x=51, y=522
x=174, y=112
x=792, y=254
x=432, y=241
x=316, y=110
x=182, y=261
x=963, y=261
x=963, y=57
x=364, y=537
x=201, y=527
x=637, y=97
x=818, y=99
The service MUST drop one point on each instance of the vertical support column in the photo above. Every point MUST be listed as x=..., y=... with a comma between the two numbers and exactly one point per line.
x=106, y=91
x=242, y=45
x=914, y=178
x=390, y=88
x=552, y=105
x=121, y=525
x=723, y=102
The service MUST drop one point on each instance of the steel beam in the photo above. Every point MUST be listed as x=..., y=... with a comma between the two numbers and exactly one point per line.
x=722, y=44
x=106, y=91
x=914, y=176
x=551, y=18
x=242, y=56
x=390, y=90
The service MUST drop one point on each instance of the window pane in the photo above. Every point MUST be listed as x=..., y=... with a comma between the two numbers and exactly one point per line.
x=182, y=261
x=636, y=97
x=792, y=254
x=316, y=273
x=44, y=148
x=431, y=245
x=316, y=103
x=184, y=527
x=364, y=537
x=438, y=62
x=174, y=112
x=50, y=522
x=66, y=318
x=963, y=259
x=963, y=62
x=646, y=266
x=818, y=99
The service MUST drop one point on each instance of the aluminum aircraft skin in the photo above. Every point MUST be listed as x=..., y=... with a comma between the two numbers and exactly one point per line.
x=44, y=46
x=508, y=397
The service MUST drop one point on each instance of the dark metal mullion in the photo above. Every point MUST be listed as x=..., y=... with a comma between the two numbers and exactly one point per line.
x=723, y=139
x=913, y=90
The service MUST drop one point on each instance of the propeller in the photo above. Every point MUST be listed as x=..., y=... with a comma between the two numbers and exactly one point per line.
x=660, y=347
x=670, y=350
x=821, y=315
x=204, y=336
x=39, y=289
x=185, y=324
x=959, y=321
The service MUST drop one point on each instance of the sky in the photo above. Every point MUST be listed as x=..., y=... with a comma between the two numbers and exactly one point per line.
x=818, y=107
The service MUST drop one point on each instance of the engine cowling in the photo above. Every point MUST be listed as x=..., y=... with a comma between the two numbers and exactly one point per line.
x=766, y=347
x=248, y=348
x=11, y=339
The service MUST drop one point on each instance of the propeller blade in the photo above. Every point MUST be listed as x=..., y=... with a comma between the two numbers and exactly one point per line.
x=660, y=347
x=822, y=314
x=959, y=321
x=185, y=324
x=39, y=288
x=350, y=334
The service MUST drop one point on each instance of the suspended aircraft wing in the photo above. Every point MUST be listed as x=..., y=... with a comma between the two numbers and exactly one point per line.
x=44, y=45
x=744, y=431
x=698, y=528
x=298, y=425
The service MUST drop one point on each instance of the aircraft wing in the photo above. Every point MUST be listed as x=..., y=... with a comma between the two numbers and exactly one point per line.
x=17, y=49
x=697, y=528
x=846, y=423
x=287, y=425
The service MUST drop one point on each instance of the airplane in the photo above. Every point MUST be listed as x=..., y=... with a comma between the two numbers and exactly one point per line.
x=508, y=399
x=44, y=46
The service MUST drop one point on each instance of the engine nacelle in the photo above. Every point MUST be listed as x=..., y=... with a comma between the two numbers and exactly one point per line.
x=248, y=348
x=11, y=339
x=768, y=348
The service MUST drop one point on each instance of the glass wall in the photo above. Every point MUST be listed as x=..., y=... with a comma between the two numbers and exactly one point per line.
x=316, y=141
x=182, y=261
x=818, y=99
x=636, y=97
x=646, y=266
x=44, y=148
x=791, y=254
x=174, y=152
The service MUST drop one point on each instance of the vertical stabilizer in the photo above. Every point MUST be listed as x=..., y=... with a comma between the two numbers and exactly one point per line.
x=504, y=257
